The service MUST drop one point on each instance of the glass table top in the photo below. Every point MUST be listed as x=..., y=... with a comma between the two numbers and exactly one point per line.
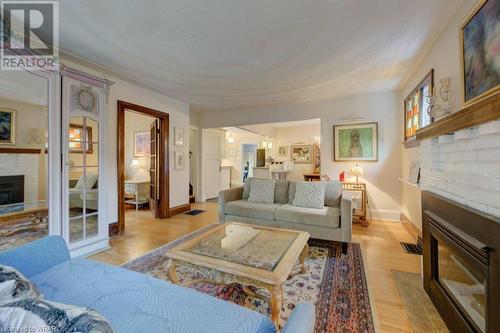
x=246, y=245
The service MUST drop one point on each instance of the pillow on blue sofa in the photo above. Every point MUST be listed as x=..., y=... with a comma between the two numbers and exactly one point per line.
x=47, y=316
x=262, y=191
x=309, y=195
x=14, y=286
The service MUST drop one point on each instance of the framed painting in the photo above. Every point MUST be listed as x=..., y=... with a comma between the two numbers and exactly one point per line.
x=7, y=126
x=78, y=139
x=179, y=160
x=480, y=52
x=301, y=154
x=141, y=144
x=179, y=136
x=356, y=142
x=282, y=150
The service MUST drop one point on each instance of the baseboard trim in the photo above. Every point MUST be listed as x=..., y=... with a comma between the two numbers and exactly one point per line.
x=113, y=229
x=385, y=215
x=180, y=209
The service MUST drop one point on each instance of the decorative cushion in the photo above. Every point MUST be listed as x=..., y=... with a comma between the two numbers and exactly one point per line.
x=46, y=316
x=262, y=191
x=246, y=188
x=333, y=193
x=281, y=191
x=14, y=286
x=309, y=194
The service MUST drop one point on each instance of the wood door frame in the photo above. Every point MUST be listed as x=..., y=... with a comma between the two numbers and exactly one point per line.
x=164, y=181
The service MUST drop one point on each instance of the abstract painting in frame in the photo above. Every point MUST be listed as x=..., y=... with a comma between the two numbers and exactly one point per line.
x=356, y=142
x=7, y=126
x=301, y=154
x=480, y=53
x=141, y=144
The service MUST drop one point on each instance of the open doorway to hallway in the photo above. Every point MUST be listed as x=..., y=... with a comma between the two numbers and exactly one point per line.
x=248, y=160
x=142, y=163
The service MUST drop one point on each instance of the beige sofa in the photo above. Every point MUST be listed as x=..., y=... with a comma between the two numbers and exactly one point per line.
x=332, y=222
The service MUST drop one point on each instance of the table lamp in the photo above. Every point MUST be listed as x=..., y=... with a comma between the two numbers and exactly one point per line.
x=357, y=171
x=135, y=164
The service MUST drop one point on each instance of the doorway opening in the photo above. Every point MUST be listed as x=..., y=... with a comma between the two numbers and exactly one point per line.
x=248, y=160
x=143, y=172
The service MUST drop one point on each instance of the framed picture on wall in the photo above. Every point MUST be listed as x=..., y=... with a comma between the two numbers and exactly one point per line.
x=233, y=153
x=7, y=126
x=179, y=160
x=179, y=136
x=356, y=142
x=480, y=53
x=141, y=144
x=301, y=154
x=283, y=151
x=78, y=139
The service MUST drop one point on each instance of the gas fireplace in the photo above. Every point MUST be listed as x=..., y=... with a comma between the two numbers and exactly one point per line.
x=462, y=264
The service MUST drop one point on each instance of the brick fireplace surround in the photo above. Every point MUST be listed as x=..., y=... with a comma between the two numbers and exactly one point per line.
x=465, y=167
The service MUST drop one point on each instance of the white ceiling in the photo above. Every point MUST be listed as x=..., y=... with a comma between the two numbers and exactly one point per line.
x=299, y=123
x=227, y=54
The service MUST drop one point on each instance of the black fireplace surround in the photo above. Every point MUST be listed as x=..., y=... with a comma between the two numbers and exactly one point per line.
x=461, y=264
x=11, y=190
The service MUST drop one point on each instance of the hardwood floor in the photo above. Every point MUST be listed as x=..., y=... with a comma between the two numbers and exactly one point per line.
x=379, y=242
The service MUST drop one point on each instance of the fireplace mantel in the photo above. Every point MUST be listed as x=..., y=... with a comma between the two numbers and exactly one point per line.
x=482, y=112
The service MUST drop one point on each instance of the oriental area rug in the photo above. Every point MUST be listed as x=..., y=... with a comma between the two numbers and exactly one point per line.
x=334, y=283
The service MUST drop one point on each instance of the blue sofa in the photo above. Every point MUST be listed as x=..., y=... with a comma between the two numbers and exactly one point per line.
x=134, y=302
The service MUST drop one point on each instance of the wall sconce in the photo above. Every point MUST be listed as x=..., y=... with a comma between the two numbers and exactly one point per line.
x=229, y=137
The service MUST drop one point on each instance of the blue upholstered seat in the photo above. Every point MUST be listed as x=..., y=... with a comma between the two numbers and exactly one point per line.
x=134, y=302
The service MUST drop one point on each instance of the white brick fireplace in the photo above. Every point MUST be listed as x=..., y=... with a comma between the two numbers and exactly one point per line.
x=465, y=167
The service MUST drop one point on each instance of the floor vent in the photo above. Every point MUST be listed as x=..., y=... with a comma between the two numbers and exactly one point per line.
x=411, y=248
x=194, y=212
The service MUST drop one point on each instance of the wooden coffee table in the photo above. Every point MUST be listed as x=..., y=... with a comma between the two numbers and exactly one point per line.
x=249, y=255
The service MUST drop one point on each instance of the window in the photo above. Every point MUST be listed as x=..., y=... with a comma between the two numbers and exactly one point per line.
x=416, y=115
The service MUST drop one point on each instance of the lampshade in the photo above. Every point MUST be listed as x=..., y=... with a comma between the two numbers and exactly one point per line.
x=135, y=164
x=356, y=171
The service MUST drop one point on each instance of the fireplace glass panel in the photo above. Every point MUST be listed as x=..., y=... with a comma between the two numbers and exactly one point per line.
x=463, y=283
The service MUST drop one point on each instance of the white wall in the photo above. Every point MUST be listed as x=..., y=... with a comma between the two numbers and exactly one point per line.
x=444, y=57
x=135, y=122
x=287, y=136
x=178, y=116
x=385, y=108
